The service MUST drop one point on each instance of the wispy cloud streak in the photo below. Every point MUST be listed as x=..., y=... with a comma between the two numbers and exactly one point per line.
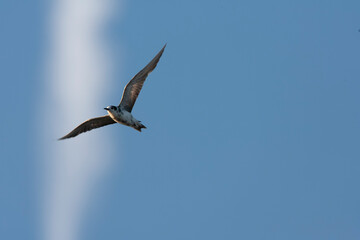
x=78, y=72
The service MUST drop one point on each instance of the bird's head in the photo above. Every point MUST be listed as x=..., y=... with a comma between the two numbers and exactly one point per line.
x=110, y=108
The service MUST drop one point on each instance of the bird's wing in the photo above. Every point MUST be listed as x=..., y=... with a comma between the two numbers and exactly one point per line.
x=133, y=88
x=89, y=125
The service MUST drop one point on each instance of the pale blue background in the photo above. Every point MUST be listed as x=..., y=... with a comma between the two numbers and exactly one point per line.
x=253, y=122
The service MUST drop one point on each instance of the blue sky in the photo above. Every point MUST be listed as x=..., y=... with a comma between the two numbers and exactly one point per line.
x=252, y=114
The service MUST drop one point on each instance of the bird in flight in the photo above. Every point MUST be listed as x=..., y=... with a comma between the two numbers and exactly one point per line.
x=121, y=113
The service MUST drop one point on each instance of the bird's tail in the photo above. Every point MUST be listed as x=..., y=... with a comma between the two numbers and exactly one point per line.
x=139, y=126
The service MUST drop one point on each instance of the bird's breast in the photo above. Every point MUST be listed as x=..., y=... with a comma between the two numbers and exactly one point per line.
x=123, y=117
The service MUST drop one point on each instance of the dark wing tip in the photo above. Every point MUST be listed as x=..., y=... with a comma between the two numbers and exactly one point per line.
x=162, y=50
x=158, y=56
x=78, y=130
x=70, y=135
x=65, y=137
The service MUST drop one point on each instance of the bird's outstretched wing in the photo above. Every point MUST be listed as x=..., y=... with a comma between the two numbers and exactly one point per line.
x=133, y=88
x=89, y=125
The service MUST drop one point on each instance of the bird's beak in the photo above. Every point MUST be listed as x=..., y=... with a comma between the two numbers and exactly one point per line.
x=106, y=109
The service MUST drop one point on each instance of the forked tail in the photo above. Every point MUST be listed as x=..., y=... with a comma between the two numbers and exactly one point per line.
x=139, y=126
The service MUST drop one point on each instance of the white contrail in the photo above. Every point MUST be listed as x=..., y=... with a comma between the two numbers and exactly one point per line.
x=78, y=72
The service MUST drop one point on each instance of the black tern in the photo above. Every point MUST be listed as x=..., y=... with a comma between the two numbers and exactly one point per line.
x=121, y=113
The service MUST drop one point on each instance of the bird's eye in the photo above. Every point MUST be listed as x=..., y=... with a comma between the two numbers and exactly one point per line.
x=112, y=107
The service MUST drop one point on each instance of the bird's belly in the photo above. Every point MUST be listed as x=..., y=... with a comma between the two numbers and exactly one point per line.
x=124, y=118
